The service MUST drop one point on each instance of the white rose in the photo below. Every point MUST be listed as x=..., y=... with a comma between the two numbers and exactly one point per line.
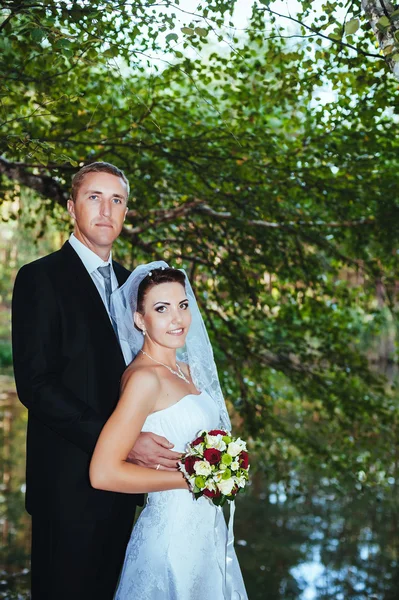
x=241, y=481
x=202, y=467
x=210, y=485
x=234, y=465
x=226, y=485
x=199, y=449
x=234, y=449
x=215, y=441
x=241, y=443
x=182, y=468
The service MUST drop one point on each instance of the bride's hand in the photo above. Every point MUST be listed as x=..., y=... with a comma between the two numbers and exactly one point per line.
x=151, y=450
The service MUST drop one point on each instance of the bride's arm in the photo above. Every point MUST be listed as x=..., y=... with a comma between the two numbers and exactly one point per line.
x=108, y=468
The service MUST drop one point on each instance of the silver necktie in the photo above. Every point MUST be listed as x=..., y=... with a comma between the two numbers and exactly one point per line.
x=106, y=273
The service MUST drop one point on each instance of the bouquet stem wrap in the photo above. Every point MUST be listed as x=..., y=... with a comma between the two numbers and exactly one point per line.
x=228, y=585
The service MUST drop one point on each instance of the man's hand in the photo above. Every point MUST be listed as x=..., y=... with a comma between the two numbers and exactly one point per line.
x=152, y=450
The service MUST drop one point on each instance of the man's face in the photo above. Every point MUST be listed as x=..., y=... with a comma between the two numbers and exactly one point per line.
x=99, y=210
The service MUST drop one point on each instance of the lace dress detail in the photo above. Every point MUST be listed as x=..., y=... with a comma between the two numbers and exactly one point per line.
x=177, y=550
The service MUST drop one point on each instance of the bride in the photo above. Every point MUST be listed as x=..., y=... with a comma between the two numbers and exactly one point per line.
x=179, y=547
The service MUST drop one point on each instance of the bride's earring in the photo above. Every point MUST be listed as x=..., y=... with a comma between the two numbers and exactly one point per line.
x=143, y=332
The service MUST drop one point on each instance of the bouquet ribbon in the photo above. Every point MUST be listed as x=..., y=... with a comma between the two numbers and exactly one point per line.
x=228, y=581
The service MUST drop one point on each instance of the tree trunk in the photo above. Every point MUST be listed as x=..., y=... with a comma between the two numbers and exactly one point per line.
x=383, y=17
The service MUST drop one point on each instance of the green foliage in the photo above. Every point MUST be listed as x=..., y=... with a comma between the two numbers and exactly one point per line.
x=352, y=26
x=265, y=164
x=5, y=354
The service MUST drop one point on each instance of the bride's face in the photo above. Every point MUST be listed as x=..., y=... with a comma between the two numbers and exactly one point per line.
x=166, y=319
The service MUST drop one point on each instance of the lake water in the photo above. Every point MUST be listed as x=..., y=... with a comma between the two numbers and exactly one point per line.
x=313, y=540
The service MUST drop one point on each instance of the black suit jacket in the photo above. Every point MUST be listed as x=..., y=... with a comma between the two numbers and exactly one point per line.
x=68, y=365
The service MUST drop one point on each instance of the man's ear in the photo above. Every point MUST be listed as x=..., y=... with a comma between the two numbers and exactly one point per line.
x=139, y=321
x=71, y=208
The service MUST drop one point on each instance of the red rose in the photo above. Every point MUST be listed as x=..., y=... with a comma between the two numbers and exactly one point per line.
x=210, y=494
x=244, y=460
x=217, y=432
x=212, y=456
x=189, y=463
x=199, y=440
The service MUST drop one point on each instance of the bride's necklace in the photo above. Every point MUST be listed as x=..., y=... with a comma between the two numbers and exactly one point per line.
x=179, y=372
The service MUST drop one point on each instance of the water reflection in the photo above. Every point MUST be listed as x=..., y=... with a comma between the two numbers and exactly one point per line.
x=14, y=522
x=311, y=540
x=319, y=543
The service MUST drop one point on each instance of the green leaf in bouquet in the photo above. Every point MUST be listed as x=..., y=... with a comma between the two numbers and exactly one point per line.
x=227, y=459
x=226, y=474
x=219, y=501
x=200, y=482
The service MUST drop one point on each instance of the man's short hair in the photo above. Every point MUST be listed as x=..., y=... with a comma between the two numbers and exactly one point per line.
x=96, y=167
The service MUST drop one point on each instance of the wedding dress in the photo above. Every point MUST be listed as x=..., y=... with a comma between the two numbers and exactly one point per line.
x=177, y=550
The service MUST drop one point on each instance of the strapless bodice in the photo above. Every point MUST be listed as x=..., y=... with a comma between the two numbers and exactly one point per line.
x=181, y=421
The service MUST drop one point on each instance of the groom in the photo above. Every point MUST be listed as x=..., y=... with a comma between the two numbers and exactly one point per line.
x=68, y=364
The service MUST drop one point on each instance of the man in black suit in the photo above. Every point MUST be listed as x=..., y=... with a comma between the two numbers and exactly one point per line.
x=68, y=364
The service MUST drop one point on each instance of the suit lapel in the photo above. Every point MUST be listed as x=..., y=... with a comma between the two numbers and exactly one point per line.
x=88, y=291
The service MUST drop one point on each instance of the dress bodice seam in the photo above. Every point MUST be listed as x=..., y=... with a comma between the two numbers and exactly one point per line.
x=174, y=404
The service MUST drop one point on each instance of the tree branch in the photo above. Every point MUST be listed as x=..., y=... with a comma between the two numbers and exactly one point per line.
x=158, y=216
x=43, y=184
x=326, y=37
x=50, y=188
x=7, y=20
x=282, y=225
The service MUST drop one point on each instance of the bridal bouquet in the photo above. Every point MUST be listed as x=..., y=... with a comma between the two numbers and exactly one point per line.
x=216, y=466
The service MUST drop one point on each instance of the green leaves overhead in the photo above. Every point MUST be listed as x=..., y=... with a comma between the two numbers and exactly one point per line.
x=190, y=31
x=383, y=23
x=38, y=35
x=172, y=37
x=262, y=157
x=201, y=31
x=352, y=26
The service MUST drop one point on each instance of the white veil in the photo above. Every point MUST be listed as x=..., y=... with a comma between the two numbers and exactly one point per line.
x=197, y=351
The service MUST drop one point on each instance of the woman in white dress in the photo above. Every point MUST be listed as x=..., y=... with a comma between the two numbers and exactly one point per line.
x=179, y=547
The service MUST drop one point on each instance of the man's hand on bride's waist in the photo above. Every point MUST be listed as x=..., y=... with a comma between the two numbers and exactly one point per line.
x=154, y=451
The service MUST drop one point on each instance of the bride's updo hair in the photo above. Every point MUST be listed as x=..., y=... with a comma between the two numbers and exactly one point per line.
x=156, y=277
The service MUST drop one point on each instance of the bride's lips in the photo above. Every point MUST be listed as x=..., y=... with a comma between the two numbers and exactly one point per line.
x=179, y=331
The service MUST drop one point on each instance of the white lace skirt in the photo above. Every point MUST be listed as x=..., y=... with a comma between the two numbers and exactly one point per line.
x=177, y=551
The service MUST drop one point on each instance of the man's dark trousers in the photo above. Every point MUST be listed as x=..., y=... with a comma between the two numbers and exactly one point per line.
x=68, y=365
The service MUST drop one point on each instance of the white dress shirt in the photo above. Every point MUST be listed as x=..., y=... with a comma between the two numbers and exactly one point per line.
x=92, y=261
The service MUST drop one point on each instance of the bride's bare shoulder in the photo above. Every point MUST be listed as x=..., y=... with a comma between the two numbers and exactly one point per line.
x=140, y=375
